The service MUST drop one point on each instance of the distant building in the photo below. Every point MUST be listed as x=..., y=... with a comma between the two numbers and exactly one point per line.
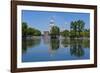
x=46, y=37
x=46, y=33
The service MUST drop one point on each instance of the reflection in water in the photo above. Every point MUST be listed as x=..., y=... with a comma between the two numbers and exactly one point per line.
x=24, y=45
x=46, y=39
x=65, y=42
x=53, y=46
x=54, y=43
x=76, y=48
x=28, y=43
x=86, y=43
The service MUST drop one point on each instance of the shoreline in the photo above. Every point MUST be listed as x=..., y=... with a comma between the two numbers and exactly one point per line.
x=60, y=37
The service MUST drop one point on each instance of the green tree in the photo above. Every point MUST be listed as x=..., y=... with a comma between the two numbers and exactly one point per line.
x=30, y=31
x=80, y=26
x=33, y=32
x=74, y=28
x=86, y=33
x=77, y=27
x=55, y=31
x=37, y=32
x=24, y=29
x=65, y=33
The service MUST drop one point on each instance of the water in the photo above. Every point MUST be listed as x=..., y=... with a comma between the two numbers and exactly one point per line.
x=58, y=49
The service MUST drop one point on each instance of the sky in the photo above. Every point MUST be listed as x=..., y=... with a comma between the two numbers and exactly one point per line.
x=41, y=19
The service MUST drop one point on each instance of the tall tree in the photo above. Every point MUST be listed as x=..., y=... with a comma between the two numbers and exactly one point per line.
x=80, y=26
x=74, y=28
x=30, y=31
x=24, y=29
x=65, y=33
x=55, y=31
x=77, y=27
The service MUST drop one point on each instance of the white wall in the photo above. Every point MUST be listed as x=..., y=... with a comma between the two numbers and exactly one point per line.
x=5, y=36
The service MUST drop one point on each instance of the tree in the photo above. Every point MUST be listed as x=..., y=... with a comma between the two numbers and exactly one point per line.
x=55, y=31
x=80, y=26
x=37, y=32
x=33, y=32
x=74, y=28
x=65, y=33
x=86, y=32
x=30, y=31
x=24, y=29
x=77, y=27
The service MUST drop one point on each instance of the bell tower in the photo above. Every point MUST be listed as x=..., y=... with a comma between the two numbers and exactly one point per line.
x=51, y=23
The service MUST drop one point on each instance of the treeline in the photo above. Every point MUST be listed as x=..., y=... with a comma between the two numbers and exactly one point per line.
x=28, y=31
x=67, y=33
x=77, y=29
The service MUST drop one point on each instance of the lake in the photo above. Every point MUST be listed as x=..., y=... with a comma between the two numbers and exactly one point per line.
x=59, y=49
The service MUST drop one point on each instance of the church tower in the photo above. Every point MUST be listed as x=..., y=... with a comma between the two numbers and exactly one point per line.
x=51, y=24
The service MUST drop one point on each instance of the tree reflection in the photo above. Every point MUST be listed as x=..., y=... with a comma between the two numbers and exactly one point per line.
x=76, y=47
x=54, y=43
x=86, y=43
x=65, y=42
x=24, y=47
x=30, y=43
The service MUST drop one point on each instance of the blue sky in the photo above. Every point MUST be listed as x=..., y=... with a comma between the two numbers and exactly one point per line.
x=41, y=19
